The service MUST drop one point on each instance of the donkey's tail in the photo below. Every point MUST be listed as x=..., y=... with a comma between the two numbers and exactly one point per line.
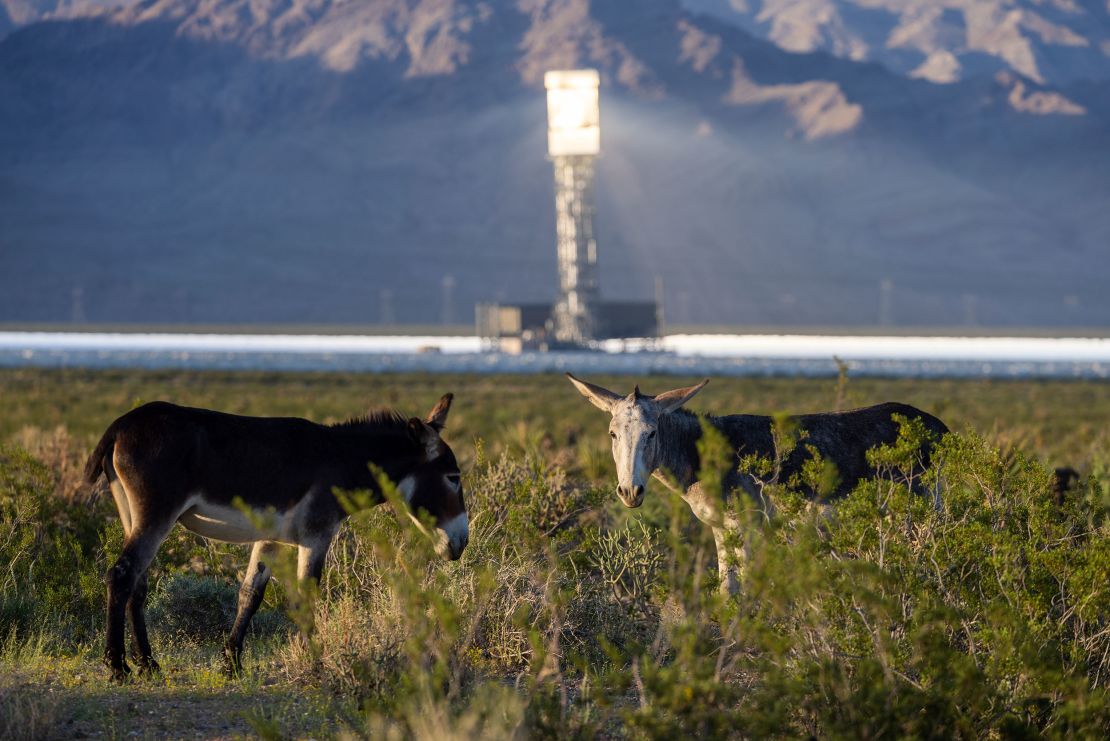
x=95, y=466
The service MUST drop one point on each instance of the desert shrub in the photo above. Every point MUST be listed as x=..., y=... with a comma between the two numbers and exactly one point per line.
x=202, y=608
x=890, y=618
x=356, y=654
x=567, y=617
x=411, y=637
x=627, y=563
x=52, y=548
x=985, y=617
x=57, y=451
x=17, y=614
x=993, y=596
x=526, y=502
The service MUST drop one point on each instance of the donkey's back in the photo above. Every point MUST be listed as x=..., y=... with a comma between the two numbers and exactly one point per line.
x=842, y=438
x=181, y=451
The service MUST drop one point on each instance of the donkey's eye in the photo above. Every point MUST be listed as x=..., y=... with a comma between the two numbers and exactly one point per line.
x=651, y=435
x=454, y=479
x=612, y=434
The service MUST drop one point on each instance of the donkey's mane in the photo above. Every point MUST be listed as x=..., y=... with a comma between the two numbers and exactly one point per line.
x=688, y=414
x=381, y=420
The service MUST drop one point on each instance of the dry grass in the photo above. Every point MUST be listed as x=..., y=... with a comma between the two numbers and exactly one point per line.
x=567, y=615
x=26, y=712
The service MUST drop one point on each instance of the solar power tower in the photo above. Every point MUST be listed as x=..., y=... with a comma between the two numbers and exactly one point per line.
x=573, y=144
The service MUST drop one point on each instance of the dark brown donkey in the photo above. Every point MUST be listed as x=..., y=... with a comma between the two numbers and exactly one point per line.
x=167, y=464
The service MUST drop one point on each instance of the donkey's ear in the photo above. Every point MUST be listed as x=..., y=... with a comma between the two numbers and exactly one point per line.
x=603, y=399
x=437, y=418
x=424, y=435
x=669, y=401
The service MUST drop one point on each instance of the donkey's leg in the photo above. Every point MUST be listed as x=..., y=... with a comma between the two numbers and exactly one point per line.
x=123, y=507
x=310, y=566
x=727, y=558
x=140, y=647
x=310, y=561
x=250, y=597
x=140, y=642
x=123, y=578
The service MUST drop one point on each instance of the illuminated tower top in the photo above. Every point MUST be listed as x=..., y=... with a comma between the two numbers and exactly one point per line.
x=573, y=118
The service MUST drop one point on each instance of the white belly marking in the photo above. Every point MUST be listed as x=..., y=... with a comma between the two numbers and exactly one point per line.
x=232, y=525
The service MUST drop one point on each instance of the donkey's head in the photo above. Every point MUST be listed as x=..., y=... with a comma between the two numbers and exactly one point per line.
x=634, y=431
x=434, y=484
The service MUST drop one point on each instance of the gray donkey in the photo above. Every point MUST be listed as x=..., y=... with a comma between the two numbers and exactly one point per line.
x=653, y=435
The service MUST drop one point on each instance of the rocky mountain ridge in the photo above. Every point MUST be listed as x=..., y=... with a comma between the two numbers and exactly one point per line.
x=312, y=160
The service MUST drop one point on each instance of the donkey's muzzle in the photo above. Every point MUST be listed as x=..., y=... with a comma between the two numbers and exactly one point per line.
x=454, y=536
x=631, y=496
x=455, y=548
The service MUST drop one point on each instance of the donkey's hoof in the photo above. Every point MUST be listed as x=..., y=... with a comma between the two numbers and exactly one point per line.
x=233, y=665
x=121, y=674
x=118, y=667
x=149, y=668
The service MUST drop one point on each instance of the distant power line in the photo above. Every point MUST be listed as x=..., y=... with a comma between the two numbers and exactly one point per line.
x=385, y=307
x=886, y=302
x=448, y=306
x=971, y=309
x=77, y=313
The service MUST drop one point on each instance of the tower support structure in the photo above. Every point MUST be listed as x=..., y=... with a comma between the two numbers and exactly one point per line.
x=575, y=309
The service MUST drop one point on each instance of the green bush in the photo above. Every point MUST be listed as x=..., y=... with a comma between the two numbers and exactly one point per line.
x=202, y=608
x=52, y=549
x=568, y=617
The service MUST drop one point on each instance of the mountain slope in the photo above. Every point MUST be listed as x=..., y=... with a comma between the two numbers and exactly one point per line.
x=306, y=160
x=1054, y=42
